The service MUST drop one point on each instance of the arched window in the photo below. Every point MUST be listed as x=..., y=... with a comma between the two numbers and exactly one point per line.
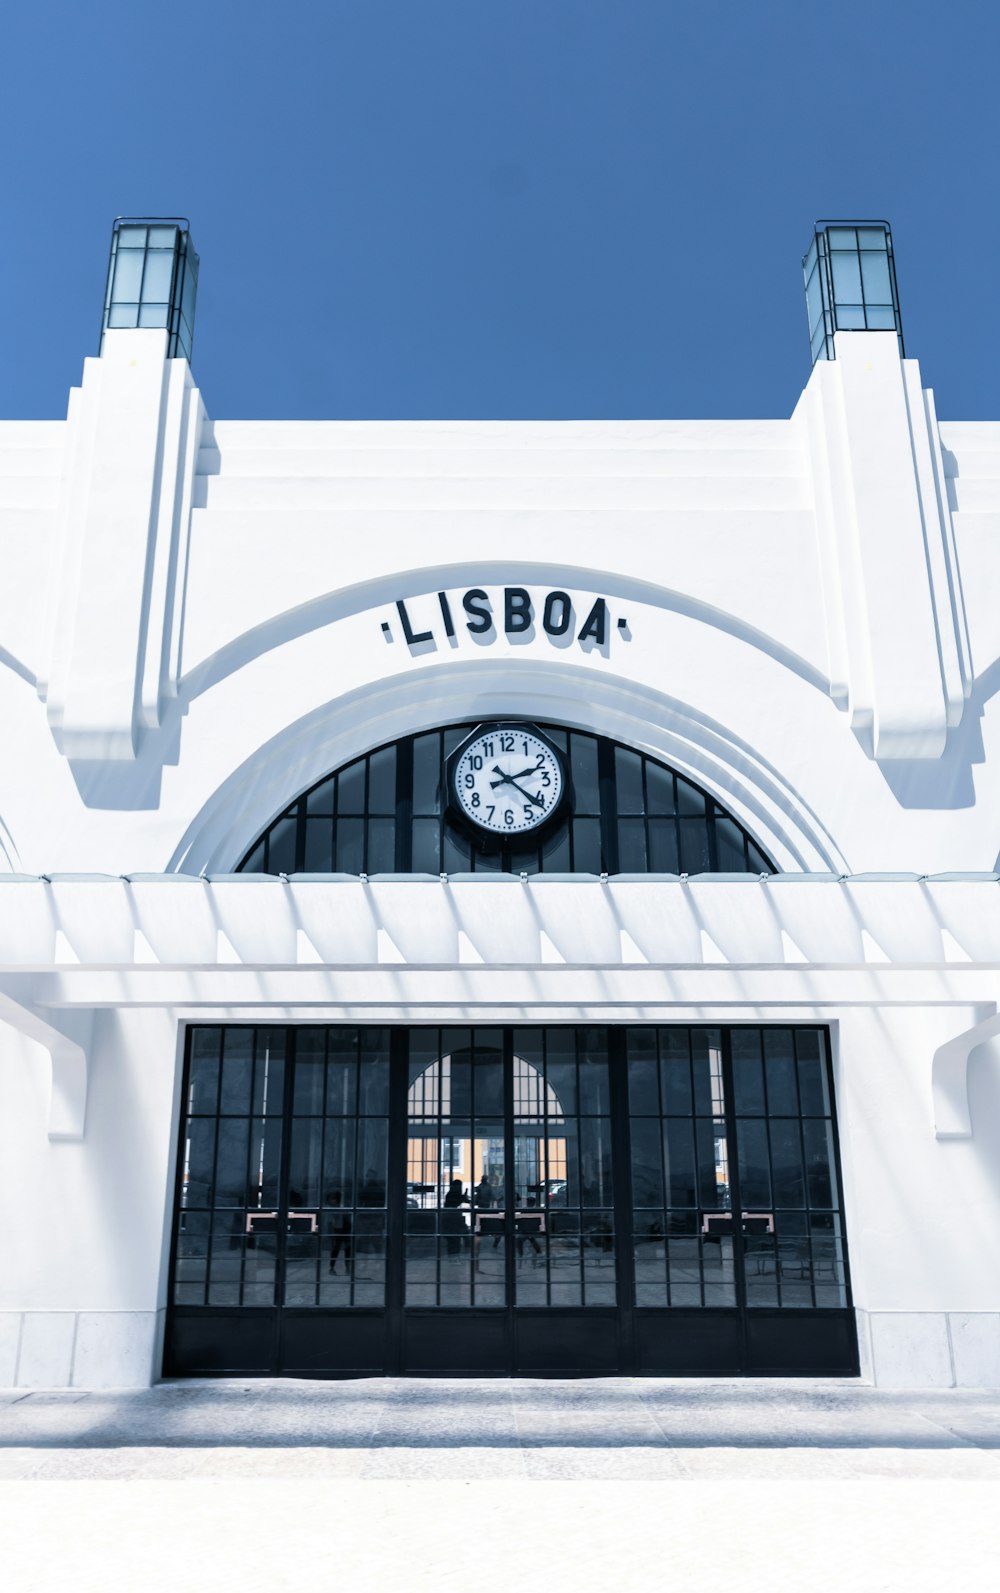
x=385, y=813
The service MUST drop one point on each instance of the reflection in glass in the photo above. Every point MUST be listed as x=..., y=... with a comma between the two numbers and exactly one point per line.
x=685, y=1217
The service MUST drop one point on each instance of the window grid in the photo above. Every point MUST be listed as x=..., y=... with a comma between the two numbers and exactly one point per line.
x=682, y=1128
x=850, y=278
x=384, y=813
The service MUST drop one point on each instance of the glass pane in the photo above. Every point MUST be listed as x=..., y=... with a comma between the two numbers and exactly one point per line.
x=321, y=799
x=350, y=846
x=231, y=1161
x=154, y=316
x=647, y=1171
x=730, y=857
x=382, y=781
x=812, y=1073
x=373, y=1133
x=199, y=1161
x=128, y=275
x=659, y=789
x=203, y=1072
x=381, y=846
x=788, y=1183
x=281, y=846
x=675, y=1078
x=373, y=1079
x=583, y=767
x=817, y=1135
x=755, y=1179
x=338, y=1163
x=851, y=318
x=304, y=1164
x=426, y=858
x=237, y=1071
x=269, y=1072
x=319, y=846
x=587, y=846
x=695, y=856
x=782, y=1096
x=664, y=857
x=456, y=851
x=678, y=1156
x=123, y=316
x=690, y=801
x=427, y=774
x=156, y=278
x=264, y=1163
x=875, y=275
x=632, y=846
x=643, y=1085
x=628, y=776
x=748, y=1079
x=351, y=788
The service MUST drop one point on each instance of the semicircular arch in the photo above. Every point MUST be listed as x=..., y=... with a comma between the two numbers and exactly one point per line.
x=735, y=773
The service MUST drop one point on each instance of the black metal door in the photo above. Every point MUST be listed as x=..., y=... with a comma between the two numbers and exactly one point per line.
x=739, y=1253
x=559, y=1200
x=279, y=1255
x=510, y=1251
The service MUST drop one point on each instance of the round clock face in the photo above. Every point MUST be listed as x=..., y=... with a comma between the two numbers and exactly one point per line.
x=507, y=780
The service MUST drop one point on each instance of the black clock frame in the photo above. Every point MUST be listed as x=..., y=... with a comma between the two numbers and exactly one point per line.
x=495, y=840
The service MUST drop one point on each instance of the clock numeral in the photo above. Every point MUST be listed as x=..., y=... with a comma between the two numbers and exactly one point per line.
x=470, y=781
x=528, y=812
x=508, y=816
x=476, y=761
x=488, y=749
x=491, y=810
x=475, y=799
x=545, y=777
x=506, y=743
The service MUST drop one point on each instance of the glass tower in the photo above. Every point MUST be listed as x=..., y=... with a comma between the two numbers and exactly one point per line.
x=850, y=283
x=153, y=279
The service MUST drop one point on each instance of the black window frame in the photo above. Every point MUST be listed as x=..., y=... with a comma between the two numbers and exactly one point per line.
x=589, y=840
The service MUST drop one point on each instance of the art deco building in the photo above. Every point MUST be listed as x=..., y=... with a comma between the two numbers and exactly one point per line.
x=499, y=896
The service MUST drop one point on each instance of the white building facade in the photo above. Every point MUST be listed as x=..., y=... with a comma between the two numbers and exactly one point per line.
x=303, y=1072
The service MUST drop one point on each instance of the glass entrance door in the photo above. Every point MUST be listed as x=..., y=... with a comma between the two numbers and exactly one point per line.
x=499, y=1200
x=510, y=1257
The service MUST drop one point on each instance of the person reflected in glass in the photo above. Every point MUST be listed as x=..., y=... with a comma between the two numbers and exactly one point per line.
x=453, y=1223
x=483, y=1200
x=340, y=1230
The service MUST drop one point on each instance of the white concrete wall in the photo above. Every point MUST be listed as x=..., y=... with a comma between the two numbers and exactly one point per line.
x=192, y=630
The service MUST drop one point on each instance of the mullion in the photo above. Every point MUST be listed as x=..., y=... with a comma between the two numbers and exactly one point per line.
x=735, y=1193
x=806, y=1200
x=215, y=1171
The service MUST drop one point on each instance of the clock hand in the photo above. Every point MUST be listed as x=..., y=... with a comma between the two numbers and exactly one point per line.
x=510, y=779
x=538, y=801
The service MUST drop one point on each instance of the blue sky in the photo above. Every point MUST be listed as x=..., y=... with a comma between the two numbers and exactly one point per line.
x=511, y=208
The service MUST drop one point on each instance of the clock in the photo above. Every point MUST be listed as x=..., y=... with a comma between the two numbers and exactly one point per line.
x=506, y=779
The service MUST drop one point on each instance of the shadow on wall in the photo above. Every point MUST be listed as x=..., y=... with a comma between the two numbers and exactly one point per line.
x=945, y=782
x=116, y=785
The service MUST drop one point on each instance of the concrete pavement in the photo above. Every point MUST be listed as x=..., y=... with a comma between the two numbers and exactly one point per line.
x=424, y=1483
